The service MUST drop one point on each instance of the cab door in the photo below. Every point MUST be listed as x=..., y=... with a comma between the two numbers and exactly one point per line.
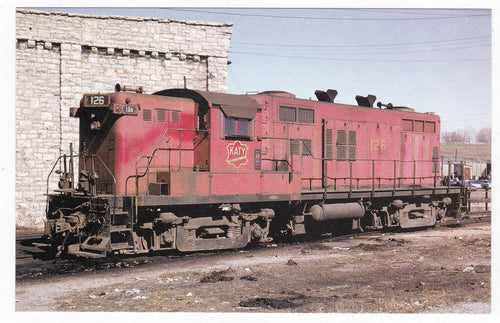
x=202, y=140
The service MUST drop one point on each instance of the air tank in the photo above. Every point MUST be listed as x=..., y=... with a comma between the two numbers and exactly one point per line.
x=337, y=211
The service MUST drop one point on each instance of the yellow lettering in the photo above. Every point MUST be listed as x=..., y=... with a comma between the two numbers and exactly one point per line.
x=376, y=144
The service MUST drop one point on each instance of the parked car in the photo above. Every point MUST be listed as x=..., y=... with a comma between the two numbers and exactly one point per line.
x=472, y=185
x=485, y=183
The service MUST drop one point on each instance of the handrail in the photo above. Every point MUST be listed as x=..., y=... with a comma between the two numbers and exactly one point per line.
x=92, y=157
x=112, y=176
x=153, y=155
x=84, y=160
x=50, y=173
x=54, y=166
x=108, y=170
x=354, y=182
x=373, y=186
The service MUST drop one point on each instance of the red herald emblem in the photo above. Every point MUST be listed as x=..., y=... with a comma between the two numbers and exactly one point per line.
x=237, y=154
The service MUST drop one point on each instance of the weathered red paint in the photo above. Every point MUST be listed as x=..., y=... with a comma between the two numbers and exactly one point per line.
x=378, y=142
x=203, y=163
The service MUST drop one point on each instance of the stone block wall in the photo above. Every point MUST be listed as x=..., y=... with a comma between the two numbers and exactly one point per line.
x=59, y=57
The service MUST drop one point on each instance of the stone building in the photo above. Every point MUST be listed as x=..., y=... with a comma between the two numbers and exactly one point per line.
x=61, y=56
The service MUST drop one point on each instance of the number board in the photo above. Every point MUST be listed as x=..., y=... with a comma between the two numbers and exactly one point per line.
x=96, y=100
x=129, y=109
x=124, y=109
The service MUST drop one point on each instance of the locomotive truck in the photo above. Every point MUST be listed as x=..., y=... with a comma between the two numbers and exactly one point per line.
x=194, y=170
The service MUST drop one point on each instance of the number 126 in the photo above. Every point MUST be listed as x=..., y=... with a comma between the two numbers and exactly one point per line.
x=376, y=144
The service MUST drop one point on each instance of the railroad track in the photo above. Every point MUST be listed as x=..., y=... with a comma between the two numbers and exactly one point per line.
x=482, y=217
x=473, y=217
x=29, y=263
x=25, y=249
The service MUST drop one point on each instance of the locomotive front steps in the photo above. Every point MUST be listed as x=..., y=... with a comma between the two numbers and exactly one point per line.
x=120, y=246
x=86, y=254
x=120, y=235
x=93, y=247
x=98, y=246
x=120, y=228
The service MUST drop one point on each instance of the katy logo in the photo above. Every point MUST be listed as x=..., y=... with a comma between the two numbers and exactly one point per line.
x=237, y=154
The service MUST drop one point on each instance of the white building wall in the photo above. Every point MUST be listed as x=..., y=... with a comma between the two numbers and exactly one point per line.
x=59, y=57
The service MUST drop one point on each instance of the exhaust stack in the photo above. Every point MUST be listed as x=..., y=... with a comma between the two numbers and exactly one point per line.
x=366, y=101
x=328, y=96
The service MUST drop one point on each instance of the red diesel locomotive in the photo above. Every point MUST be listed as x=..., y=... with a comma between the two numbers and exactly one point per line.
x=194, y=170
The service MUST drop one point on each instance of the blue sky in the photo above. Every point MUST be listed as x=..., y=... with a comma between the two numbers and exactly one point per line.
x=433, y=60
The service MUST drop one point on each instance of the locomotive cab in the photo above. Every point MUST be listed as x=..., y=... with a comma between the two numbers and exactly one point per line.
x=231, y=151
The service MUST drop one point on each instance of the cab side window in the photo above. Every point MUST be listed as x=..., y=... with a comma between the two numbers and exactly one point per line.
x=237, y=128
x=237, y=122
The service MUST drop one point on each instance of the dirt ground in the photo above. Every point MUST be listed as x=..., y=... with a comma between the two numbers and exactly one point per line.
x=443, y=270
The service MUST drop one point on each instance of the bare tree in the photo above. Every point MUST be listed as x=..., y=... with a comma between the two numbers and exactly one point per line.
x=484, y=136
x=446, y=136
x=453, y=136
x=468, y=134
x=461, y=135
